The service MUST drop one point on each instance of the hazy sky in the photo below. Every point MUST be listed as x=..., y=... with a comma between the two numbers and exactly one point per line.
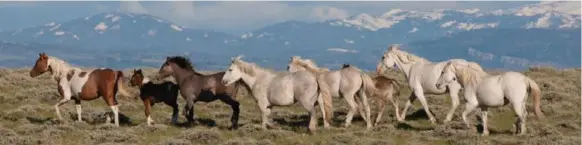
x=233, y=17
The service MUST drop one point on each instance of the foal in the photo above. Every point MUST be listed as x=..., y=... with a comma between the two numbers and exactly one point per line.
x=386, y=89
x=151, y=94
x=196, y=87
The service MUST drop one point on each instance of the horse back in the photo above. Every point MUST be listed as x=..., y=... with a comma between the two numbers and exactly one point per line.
x=166, y=91
x=214, y=82
x=99, y=82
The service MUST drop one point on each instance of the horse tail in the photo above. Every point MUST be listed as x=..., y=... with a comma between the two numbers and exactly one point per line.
x=120, y=86
x=325, y=95
x=367, y=84
x=534, y=90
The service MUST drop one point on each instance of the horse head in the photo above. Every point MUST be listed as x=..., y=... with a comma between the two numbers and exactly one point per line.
x=41, y=65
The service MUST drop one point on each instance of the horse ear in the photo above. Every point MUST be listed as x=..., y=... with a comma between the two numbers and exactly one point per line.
x=238, y=57
x=394, y=47
x=295, y=57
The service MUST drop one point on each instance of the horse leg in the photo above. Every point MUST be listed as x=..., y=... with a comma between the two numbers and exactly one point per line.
x=411, y=100
x=313, y=120
x=189, y=108
x=420, y=95
x=235, y=110
x=381, y=107
x=352, y=103
x=484, y=112
x=521, y=113
x=364, y=99
x=64, y=90
x=454, y=93
x=360, y=108
x=175, y=112
x=395, y=104
x=61, y=102
x=78, y=106
x=110, y=99
x=310, y=107
x=469, y=107
x=265, y=112
x=147, y=106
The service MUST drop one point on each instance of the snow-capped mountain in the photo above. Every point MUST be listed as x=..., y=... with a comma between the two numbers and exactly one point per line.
x=119, y=31
x=358, y=39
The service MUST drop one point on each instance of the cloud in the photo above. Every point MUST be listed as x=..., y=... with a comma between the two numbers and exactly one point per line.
x=327, y=13
x=132, y=7
x=248, y=15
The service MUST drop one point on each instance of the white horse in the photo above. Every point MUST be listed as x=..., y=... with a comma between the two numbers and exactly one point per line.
x=422, y=76
x=345, y=82
x=491, y=91
x=281, y=89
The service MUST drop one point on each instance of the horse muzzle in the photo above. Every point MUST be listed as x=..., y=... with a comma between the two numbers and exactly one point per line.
x=379, y=69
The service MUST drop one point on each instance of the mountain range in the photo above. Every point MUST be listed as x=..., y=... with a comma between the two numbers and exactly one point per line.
x=547, y=33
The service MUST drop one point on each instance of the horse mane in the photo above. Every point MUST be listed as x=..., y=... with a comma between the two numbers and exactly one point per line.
x=59, y=67
x=184, y=63
x=308, y=64
x=468, y=72
x=404, y=56
x=248, y=67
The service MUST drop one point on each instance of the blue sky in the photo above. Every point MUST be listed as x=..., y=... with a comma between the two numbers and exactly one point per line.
x=232, y=17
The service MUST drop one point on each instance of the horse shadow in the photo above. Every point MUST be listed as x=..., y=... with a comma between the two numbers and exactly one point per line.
x=92, y=119
x=337, y=120
x=293, y=121
x=198, y=121
x=493, y=131
x=418, y=115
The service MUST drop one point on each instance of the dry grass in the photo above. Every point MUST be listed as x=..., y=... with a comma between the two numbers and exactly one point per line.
x=27, y=117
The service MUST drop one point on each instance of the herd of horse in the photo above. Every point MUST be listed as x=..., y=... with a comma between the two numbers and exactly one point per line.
x=303, y=82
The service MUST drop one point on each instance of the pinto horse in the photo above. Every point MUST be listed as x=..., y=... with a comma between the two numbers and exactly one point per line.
x=196, y=87
x=151, y=94
x=77, y=84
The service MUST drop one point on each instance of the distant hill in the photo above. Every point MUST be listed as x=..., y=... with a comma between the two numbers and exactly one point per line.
x=546, y=33
x=506, y=48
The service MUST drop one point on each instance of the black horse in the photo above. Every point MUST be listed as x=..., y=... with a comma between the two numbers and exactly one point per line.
x=151, y=94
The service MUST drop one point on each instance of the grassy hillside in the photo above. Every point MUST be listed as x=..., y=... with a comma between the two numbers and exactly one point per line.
x=28, y=117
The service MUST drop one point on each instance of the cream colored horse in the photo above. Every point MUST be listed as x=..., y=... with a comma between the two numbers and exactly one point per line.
x=422, y=76
x=345, y=82
x=491, y=91
x=281, y=89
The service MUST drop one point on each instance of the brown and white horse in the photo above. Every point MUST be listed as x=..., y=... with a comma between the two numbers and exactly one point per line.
x=77, y=84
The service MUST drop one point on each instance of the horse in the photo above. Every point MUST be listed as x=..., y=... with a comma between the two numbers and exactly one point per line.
x=492, y=91
x=195, y=87
x=343, y=83
x=421, y=75
x=386, y=89
x=281, y=89
x=81, y=85
x=151, y=93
